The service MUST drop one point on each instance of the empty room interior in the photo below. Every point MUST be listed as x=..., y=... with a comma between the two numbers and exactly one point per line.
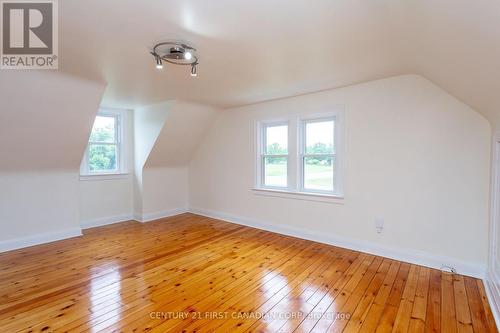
x=250, y=166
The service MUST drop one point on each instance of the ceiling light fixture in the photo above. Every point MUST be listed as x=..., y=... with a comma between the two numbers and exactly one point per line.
x=177, y=53
x=159, y=64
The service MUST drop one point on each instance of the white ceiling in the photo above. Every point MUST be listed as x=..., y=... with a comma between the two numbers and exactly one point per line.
x=252, y=51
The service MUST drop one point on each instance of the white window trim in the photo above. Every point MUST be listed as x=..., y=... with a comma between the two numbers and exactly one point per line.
x=337, y=155
x=121, y=149
x=261, y=144
x=295, y=172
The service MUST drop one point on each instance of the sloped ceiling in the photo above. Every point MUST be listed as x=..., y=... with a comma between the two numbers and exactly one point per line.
x=45, y=119
x=258, y=50
x=184, y=128
x=168, y=133
x=456, y=44
x=148, y=124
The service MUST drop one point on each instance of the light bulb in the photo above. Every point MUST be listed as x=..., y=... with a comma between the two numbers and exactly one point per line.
x=188, y=55
x=159, y=64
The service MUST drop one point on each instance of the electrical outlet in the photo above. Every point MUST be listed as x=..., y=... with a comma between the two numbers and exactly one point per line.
x=379, y=224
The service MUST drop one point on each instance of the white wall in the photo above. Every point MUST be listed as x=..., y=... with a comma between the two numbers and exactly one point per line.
x=148, y=123
x=105, y=201
x=165, y=191
x=41, y=206
x=415, y=156
x=166, y=136
x=45, y=119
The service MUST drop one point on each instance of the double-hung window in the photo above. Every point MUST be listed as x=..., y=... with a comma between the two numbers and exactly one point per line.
x=274, y=155
x=301, y=155
x=317, y=159
x=105, y=150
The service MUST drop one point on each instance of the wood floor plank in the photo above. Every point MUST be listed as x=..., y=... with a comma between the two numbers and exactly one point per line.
x=478, y=315
x=96, y=287
x=462, y=312
x=266, y=277
x=163, y=286
x=279, y=304
x=314, y=296
x=130, y=277
x=375, y=312
x=402, y=322
x=490, y=321
x=305, y=255
x=433, y=315
x=419, y=311
x=355, y=321
x=448, y=314
x=293, y=301
x=208, y=272
x=342, y=306
x=388, y=317
x=262, y=302
x=322, y=299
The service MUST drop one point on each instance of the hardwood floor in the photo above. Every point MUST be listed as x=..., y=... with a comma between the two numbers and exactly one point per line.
x=190, y=273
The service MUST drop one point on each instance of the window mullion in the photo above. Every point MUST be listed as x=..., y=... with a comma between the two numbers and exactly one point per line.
x=102, y=143
x=275, y=155
x=318, y=155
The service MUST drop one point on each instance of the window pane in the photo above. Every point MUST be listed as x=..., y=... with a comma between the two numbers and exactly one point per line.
x=103, y=129
x=277, y=140
x=319, y=137
x=318, y=173
x=275, y=171
x=102, y=157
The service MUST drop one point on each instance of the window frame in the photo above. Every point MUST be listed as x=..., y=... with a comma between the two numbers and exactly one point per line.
x=296, y=153
x=302, y=155
x=119, y=143
x=262, y=142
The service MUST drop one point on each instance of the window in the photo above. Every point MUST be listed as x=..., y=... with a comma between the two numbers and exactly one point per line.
x=318, y=155
x=274, y=157
x=301, y=155
x=105, y=152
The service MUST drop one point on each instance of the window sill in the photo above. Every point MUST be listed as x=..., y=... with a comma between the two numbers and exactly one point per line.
x=99, y=177
x=328, y=198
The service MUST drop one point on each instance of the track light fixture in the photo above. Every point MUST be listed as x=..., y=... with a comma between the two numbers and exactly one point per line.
x=176, y=53
x=159, y=64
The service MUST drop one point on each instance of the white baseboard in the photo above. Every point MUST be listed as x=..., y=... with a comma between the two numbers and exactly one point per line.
x=492, y=286
x=105, y=221
x=46, y=237
x=402, y=254
x=159, y=215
